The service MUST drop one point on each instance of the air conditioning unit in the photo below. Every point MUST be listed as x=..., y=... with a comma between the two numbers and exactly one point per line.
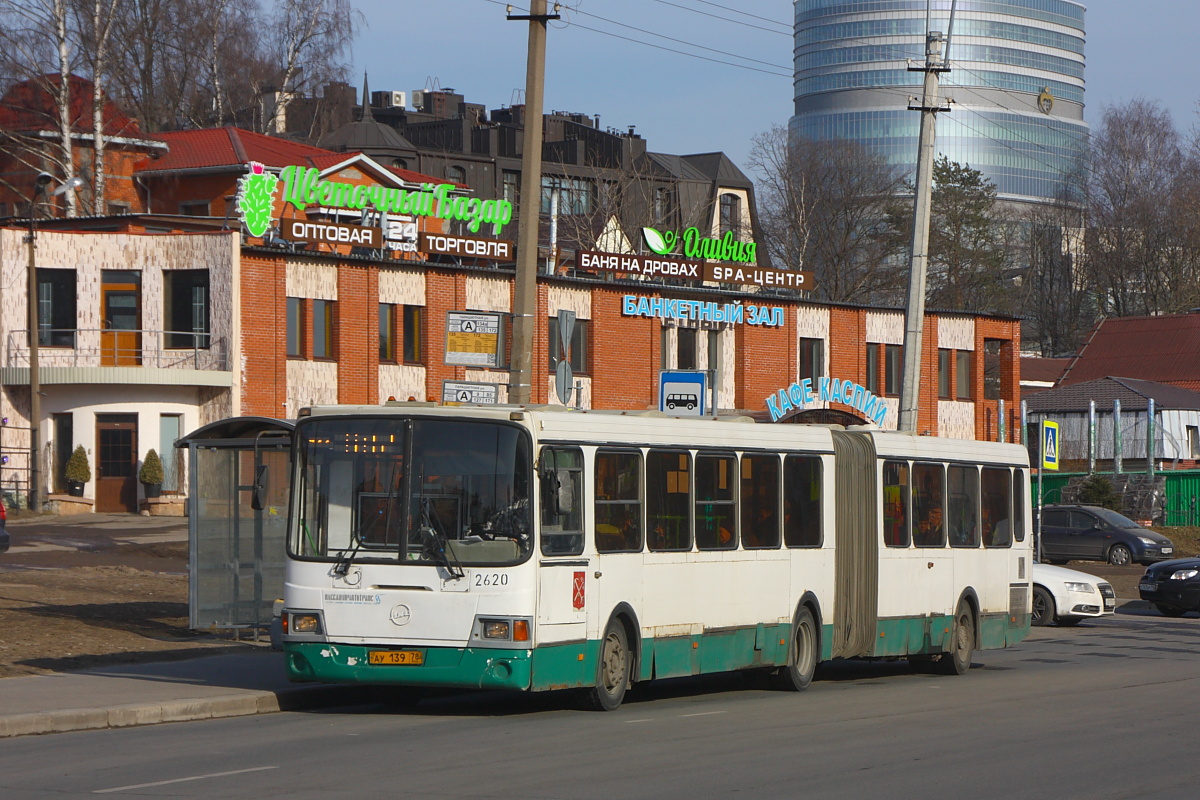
x=389, y=99
x=418, y=98
x=399, y=100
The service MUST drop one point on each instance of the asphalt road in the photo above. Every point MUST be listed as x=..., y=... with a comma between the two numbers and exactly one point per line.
x=1105, y=710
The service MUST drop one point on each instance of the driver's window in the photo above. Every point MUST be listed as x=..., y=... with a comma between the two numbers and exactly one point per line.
x=561, y=485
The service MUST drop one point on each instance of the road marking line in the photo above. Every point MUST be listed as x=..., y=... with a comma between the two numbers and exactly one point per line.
x=632, y=721
x=183, y=780
x=702, y=714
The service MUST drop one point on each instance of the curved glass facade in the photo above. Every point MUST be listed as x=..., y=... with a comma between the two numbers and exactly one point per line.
x=851, y=82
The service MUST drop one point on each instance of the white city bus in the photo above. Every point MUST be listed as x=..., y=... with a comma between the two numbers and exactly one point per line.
x=537, y=548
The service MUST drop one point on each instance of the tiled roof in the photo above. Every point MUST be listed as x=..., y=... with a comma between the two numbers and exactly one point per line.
x=1043, y=369
x=28, y=107
x=1165, y=349
x=230, y=147
x=1132, y=393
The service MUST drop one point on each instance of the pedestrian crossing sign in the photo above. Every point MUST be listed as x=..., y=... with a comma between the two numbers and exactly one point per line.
x=1049, y=445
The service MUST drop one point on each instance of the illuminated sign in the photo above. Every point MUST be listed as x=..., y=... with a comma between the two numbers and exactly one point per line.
x=696, y=246
x=467, y=247
x=299, y=230
x=651, y=266
x=829, y=390
x=256, y=198
x=303, y=187
x=668, y=308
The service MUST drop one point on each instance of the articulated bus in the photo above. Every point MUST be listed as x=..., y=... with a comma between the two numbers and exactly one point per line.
x=538, y=548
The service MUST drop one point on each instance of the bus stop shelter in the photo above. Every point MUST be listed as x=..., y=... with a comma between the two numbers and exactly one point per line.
x=238, y=492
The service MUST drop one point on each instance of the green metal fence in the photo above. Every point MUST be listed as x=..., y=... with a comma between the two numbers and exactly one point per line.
x=1181, y=504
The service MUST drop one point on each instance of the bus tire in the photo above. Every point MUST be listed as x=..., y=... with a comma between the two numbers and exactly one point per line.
x=802, y=654
x=957, y=660
x=612, y=670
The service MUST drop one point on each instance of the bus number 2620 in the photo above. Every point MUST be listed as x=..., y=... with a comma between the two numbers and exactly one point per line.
x=491, y=579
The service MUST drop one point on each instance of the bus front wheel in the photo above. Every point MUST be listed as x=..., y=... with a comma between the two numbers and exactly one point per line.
x=612, y=670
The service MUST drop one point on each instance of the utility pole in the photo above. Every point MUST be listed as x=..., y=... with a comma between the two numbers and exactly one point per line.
x=520, y=382
x=929, y=106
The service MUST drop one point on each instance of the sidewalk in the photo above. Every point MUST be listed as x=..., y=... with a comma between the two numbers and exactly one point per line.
x=146, y=694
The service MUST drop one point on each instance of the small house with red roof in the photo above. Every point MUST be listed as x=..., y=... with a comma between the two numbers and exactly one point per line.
x=1163, y=349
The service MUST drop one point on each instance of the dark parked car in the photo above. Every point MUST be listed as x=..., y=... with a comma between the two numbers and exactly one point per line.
x=1173, y=586
x=1092, y=533
x=3, y=531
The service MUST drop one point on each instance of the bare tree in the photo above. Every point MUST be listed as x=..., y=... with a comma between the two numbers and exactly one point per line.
x=1136, y=165
x=311, y=37
x=100, y=15
x=1053, y=293
x=824, y=207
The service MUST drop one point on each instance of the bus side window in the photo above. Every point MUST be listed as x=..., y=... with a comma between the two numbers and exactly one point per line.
x=1020, y=481
x=929, y=505
x=995, y=503
x=618, y=502
x=561, y=501
x=802, y=501
x=716, y=502
x=896, y=531
x=964, y=507
x=668, y=492
x=760, y=501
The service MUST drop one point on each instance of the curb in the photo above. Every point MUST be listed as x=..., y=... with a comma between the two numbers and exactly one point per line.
x=133, y=714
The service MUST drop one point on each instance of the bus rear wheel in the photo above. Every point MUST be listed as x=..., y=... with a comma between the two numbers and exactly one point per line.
x=957, y=660
x=612, y=670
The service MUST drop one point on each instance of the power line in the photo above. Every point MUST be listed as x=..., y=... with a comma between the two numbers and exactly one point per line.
x=745, y=13
x=679, y=41
x=727, y=19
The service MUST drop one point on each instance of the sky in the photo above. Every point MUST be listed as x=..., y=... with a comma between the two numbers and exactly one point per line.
x=682, y=104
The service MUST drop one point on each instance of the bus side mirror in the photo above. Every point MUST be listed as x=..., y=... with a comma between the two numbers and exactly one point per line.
x=258, y=494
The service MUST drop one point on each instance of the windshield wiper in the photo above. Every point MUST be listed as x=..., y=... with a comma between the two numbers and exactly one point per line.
x=344, y=559
x=437, y=543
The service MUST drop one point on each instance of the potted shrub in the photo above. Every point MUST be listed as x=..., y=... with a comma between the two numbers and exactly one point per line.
x=78, y=472
x=151, y=474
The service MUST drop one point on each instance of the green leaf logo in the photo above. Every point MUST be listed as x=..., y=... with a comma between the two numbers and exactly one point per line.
x=256, y=198
x=660, y=243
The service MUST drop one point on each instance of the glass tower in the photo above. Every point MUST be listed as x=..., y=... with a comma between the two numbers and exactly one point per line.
x=1015, y=87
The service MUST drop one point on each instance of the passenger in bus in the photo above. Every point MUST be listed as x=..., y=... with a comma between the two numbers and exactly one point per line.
x=894, y=533
x=929, y=526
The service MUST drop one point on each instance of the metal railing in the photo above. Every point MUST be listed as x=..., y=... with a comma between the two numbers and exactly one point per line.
x=96, y=347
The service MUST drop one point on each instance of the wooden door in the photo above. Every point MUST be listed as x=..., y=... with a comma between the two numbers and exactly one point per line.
x=116, y=462
x=121, y=318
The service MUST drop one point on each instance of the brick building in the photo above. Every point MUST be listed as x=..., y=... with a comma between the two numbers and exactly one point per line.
x=181, y=316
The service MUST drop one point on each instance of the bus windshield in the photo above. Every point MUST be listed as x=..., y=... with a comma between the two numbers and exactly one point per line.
x=420, y=491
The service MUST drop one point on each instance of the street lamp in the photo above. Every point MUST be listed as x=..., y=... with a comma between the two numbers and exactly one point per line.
x=43, y=180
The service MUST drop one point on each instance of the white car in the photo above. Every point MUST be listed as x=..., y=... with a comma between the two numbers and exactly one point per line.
x=1068, y=597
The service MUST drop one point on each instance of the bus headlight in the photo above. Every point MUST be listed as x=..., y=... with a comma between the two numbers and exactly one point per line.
x=305, y=623
x=496, y=629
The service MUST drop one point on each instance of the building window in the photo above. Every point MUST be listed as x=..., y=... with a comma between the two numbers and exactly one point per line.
x=893, y=369
x=412, y=334
x=812, y=359
x=962, y=375
x=872, y=382
x=456, y=174
x=194, y=208
x=944, y=373
x=511, y=186
x=387, y=332
x=574, y=194
x=685, y=348
x=295, y=327
x=322, y=328
x=579, y=345
x=187, y=314
x=399, y=163
x=116, y=208
x=662, y=206
x=991, y=368
x=64, y=443
x=731, y=213
x=56, y=307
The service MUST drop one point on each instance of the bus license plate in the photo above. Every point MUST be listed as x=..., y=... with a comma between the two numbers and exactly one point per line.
x=387, y=658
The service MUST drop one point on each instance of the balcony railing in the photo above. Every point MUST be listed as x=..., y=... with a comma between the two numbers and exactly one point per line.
x=95, y=347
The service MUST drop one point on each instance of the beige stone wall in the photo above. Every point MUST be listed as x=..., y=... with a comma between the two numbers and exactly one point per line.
x=401, y=287
x=310, y=383
x=885, y=327
x=488, y=294
x=956, y=333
